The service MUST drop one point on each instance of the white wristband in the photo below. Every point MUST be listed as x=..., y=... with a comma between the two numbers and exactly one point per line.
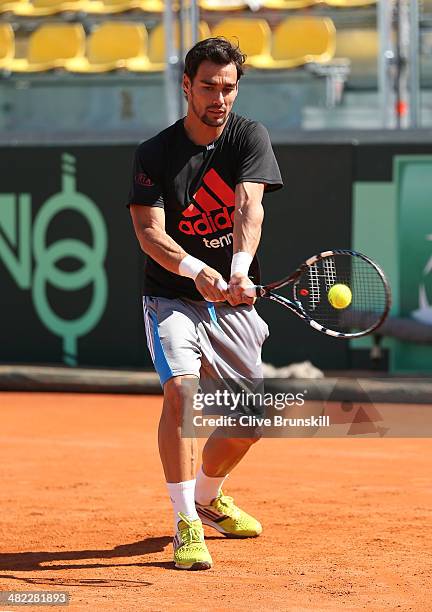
x=191, y=266
x=241, y=262
x=221, y=284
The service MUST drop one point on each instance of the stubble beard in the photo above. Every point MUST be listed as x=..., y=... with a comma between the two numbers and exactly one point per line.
x=216, y=122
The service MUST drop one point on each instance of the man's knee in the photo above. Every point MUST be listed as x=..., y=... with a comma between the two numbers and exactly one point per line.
x=178, y=397
x=246, y=436
x=254, y=436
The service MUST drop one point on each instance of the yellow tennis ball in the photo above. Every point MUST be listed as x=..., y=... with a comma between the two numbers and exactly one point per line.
x=340, y=296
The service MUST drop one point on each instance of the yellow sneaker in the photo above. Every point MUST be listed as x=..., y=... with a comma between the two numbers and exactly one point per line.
x=190, y=550
x=222, y=514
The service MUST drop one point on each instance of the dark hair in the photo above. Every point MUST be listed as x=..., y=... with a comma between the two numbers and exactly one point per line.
x=217, y=50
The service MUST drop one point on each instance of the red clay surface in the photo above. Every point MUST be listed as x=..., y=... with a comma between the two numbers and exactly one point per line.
x=347, y=522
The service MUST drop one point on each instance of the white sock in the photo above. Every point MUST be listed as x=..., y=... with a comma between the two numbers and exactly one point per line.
x=182, y=495
x=207, y=487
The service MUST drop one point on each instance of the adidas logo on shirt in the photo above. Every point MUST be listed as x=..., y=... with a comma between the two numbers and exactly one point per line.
x=209, y=212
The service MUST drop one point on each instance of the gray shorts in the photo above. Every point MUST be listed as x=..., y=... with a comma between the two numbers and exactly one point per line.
x=217, y=341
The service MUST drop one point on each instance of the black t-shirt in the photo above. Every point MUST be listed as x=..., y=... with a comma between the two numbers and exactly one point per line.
x=195, y=186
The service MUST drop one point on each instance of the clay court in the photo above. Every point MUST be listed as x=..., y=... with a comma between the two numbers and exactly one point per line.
x=347, y=522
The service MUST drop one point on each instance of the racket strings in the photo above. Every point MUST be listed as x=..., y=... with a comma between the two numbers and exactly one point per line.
x=368, y=289
x=314, y=287
x=330, y=275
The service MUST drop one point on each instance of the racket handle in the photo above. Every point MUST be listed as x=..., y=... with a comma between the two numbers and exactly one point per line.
x=222, y=286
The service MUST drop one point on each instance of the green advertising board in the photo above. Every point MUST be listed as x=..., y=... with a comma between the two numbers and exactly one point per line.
x=70, y=266
x=392, y=222
x=413, y=179
x=47, y=256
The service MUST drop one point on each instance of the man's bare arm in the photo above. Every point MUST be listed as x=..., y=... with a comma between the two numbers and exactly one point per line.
x=248, y=218
x=149, y=225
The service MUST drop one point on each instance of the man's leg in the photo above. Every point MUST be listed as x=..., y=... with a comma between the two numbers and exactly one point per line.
x=178, y=454
x=221, y=455
x=179, y=458
x=173, y=344
x=233, y=341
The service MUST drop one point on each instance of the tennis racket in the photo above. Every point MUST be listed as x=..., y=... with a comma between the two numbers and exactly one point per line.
x=309, y=293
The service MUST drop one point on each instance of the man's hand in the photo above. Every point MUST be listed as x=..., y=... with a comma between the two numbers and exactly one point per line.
x=208, y=283
x=237, y=285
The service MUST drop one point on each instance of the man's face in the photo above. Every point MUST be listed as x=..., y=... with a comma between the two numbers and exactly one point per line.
x=212, y=92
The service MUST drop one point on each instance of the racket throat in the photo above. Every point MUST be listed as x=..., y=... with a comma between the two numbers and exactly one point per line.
x=296, y=308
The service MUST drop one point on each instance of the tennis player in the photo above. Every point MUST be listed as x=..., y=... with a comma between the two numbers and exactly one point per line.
x=196, y=206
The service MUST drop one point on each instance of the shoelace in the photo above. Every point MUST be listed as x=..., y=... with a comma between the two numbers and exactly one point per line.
x=190, y=534
x=228, y=502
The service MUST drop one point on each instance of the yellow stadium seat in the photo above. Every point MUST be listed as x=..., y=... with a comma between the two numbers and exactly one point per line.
x=7, y=6
x=155, y=62
x=361, y=47
x=42, y=8
x=109, y=47
x=110, y=7
x=222, y=5
x=357, y=43
x=298, y=41
x=288, y=4
x=152, y=6
x=252, y=35
x=51, y=46
x=7, y=45
x=350, y=3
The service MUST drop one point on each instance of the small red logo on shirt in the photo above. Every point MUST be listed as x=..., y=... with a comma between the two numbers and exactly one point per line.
x=143, y=180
